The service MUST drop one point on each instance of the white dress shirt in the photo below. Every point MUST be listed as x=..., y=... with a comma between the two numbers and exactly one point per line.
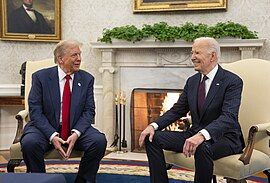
x=62, y=80
x=30, y=13
x=208, y=83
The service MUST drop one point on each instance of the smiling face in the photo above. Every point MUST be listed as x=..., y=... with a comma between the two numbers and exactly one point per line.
x=70, y=60
x=203, y=57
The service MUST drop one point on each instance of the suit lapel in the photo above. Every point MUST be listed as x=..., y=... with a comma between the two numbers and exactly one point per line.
x=54, y=88
x=76, y=94
x=25, y=16
x=216, y=83
x=194, y=93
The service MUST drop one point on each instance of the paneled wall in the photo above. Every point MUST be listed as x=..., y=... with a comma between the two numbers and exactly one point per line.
x=85, y=20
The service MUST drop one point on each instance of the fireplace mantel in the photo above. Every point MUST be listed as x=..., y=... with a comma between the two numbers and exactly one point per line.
x=118, y=44
x=121, y=55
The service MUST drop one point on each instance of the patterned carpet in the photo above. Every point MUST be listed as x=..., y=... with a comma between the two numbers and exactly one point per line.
x=118, y=167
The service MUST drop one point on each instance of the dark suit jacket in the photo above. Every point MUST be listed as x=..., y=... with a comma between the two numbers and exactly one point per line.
x=45, y=107
x=219, y=115
x=20, y=22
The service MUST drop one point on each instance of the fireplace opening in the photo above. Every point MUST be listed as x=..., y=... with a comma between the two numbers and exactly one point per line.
x=147, y=104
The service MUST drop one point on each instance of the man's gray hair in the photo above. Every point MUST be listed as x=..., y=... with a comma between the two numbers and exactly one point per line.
x=62, y=47
x=213, y=45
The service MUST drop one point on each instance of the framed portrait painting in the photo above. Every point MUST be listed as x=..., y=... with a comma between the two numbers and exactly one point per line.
x=31, y=20
x=176, y=5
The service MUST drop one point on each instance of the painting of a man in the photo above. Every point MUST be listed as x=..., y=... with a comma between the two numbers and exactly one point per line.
x=26, y=19
x=175, y=5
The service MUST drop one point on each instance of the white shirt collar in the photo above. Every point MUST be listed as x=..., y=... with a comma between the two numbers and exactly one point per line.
x=62, y=74
x=212, y=73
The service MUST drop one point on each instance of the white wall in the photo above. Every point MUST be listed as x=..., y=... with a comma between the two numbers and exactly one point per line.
x=85, y=20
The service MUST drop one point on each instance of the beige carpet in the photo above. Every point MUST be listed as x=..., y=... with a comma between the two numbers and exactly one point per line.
x=114, y=167
x=115, y=163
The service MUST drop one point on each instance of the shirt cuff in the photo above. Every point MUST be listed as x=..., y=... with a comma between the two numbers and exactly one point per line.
x=205, y=133
x=77, y=132
x=53, y=135
x=155, y=125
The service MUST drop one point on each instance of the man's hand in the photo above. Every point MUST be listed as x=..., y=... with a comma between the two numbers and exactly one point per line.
x=71, y=141
x=149, y=130
x=58, y=142
x=192, y=143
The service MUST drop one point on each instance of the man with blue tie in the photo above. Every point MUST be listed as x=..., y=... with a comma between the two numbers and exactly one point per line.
x=62, y=110
x=213, y=97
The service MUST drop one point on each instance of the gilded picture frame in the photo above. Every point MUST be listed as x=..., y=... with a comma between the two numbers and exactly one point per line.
x=39, y=21
x=177, y=5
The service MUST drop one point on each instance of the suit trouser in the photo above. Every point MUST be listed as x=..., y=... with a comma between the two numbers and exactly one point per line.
x=174, y=141
x=92, y=142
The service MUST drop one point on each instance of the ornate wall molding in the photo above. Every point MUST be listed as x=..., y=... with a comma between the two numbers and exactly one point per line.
x=10, y=89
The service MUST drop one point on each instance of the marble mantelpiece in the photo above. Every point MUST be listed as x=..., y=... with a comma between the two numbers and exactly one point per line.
x=153, y=64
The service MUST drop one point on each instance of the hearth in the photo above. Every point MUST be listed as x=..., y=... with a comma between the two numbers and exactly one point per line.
x=146, y=105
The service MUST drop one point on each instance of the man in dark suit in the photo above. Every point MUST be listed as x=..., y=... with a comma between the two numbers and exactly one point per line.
x=212, y=96
x=27, y=20
x=61, y=105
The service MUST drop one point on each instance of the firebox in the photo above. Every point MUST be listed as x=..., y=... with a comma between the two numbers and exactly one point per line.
x=147, y=104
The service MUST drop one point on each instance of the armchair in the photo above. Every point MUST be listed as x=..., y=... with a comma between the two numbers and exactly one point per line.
x=22, y=118
x=254, y=118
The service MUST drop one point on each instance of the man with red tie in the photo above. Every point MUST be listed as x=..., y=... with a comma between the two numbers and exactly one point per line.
x=213, y=97
x=62, y=109
x=27, y=20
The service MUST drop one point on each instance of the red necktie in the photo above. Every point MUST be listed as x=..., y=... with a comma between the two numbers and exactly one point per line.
x=201, y=93
x=66, y=109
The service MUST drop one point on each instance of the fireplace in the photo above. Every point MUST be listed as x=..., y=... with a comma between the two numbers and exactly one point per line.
x=151, y=64
x=147, y=104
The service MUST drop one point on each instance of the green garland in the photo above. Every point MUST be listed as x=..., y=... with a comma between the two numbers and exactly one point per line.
x=188, y=32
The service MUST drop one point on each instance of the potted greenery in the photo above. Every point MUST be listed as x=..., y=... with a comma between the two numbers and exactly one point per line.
x=188, y=32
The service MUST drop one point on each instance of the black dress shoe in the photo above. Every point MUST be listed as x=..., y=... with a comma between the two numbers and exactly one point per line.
x=79, y=179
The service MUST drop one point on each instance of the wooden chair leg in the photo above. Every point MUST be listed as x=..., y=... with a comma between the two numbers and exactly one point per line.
x=267, y=173
x=12, y=164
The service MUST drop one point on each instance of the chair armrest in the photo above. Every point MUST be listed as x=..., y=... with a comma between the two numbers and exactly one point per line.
x=23, y=114
x=187, y=121
x=246, y=155
x=21, y=118
x=181, y=124
x=268, y=131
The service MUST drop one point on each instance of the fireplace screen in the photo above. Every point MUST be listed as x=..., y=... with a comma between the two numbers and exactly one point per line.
x=146, y=106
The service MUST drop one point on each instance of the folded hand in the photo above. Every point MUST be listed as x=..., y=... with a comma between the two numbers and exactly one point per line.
x=71, y=141
x=149, y=130
x=58, y=142
x=192, y=143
